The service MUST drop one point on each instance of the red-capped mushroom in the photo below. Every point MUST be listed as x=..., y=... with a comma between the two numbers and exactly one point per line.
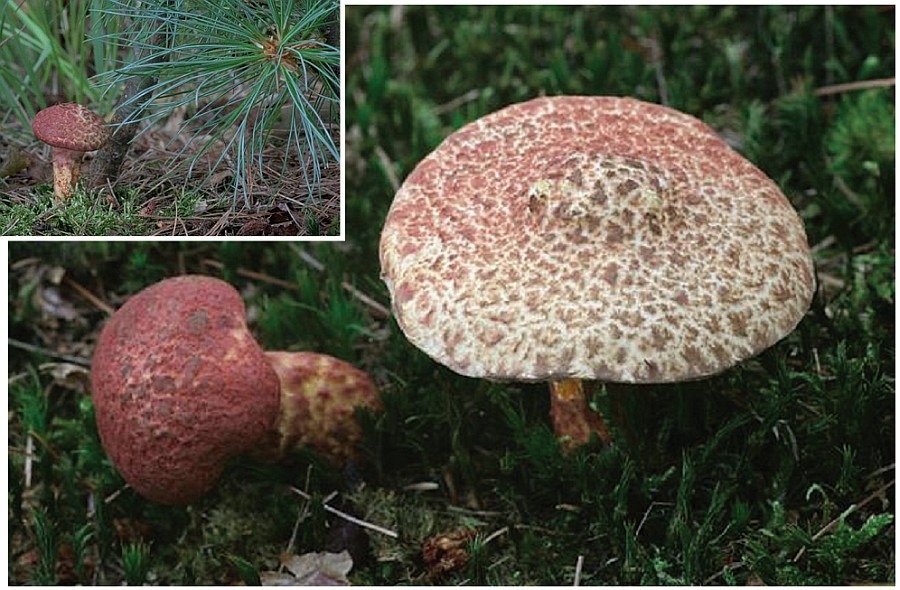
x=569, y=238
x=180, y=387
x=71, y=130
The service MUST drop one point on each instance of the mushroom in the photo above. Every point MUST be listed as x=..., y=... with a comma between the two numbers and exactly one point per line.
x=71, y=130
x=180, y=387
x=602, y=238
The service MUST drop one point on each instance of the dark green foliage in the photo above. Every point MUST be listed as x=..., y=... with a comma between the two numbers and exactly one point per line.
x=134, y=562
x=45, y=538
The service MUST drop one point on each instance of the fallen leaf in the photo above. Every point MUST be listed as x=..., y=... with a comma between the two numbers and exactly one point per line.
x=311, y=569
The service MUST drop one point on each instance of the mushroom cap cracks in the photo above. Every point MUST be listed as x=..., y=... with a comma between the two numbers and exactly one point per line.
x=180, y=386
x=70, y=126
x=592, y=237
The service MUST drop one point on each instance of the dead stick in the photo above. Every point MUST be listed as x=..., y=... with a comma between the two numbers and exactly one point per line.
x=85, y=294
x=254, y=275
x=75, y=360
x=377, y=308
x=579, y=564
x=850, y=86
x=346, y=516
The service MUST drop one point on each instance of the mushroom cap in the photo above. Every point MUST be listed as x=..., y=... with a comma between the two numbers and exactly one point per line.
x=180, y=386
x=592, y=237
x=319, y=397
x=70, y=126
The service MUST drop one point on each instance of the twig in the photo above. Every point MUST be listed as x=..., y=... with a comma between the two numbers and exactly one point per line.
x=111, y=498
x=853, y=508
x=254, y=275
x=495, y=534
x=470, y=512
x=826, y=243
x=656, y=60
x=377, y=308
x=457, y=102
x=346, y=516
x=104, y=169
x=815, y=352
x=310, y=259
x=578, y=565
x=29, y=459
x=637, y=532
x=422, y=486
x=75, y=360
x=881, y=470
x=300, y=518
x=730, y=567
x=93, y=299
x=388, y=168
x=850, y=86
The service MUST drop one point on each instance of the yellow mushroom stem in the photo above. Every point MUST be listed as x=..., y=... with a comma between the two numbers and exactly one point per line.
x=573, y=420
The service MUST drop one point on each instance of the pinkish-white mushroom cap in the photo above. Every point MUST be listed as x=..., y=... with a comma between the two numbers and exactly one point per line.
x=596, y=238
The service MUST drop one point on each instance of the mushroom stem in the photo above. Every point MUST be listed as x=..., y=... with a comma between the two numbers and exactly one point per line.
x=573, y=420
x=319, y=396
x=66, y=166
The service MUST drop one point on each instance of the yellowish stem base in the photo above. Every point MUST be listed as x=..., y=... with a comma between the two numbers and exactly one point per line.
x=573, y=420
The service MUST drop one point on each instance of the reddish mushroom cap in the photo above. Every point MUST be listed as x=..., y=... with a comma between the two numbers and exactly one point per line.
x=70, y=126
x=180, y=386
x=593, y=237
x=319, y=397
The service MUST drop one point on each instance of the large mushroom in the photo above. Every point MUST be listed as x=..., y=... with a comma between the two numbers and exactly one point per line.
x=592, y=238
x=180, y=387
x=71, y=130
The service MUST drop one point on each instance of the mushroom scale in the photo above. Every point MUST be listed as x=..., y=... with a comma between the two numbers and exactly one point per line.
x=594, y=238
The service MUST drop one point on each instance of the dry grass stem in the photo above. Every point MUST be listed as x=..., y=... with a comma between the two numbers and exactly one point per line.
x=347, y=517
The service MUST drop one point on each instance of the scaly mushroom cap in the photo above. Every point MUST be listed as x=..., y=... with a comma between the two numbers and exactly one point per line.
x=70, y=126
x=593, y=237
x=319, y=397
x=180, y=386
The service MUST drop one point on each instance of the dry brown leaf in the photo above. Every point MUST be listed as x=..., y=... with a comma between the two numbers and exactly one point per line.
x=311, y=569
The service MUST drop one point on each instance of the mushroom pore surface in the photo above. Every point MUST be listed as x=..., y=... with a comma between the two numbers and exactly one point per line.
x=180, y=386
x=592, y=237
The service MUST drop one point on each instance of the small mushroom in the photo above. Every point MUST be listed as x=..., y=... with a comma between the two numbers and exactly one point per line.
x=602, y=238
x=180, y=387
x=71, y=130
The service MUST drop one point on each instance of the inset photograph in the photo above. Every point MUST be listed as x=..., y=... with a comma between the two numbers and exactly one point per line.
x=153, y=119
